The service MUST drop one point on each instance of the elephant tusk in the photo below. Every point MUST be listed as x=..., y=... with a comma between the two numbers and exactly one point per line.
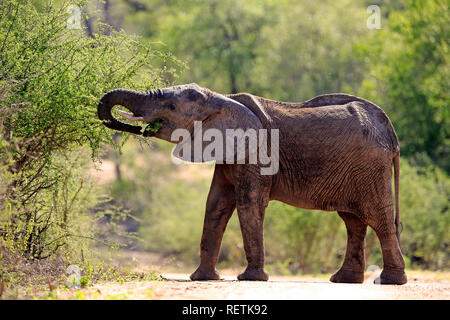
x=129, y=116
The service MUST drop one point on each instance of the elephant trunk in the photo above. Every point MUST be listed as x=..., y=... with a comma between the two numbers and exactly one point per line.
x=130, y=99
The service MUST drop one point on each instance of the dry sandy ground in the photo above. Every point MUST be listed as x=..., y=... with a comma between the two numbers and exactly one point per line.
x=177, y=286
x=421, y=285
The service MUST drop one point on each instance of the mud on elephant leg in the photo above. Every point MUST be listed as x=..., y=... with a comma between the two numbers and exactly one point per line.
x=352, y=270
x=219, y=208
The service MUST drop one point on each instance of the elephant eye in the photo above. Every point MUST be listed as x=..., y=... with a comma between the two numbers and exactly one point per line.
x=171, y=106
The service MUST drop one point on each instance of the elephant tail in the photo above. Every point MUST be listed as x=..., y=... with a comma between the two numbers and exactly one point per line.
x=397, y=196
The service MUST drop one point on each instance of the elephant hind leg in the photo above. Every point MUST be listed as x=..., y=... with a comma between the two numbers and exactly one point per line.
x=352, y=270
x=393, y=262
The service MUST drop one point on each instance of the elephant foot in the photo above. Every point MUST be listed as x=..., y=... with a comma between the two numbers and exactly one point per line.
x=254, y=275
x=204, y=275
x=347, y=276
x=391, y=277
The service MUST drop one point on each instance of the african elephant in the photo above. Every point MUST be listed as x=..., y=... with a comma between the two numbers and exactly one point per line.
x=335, y=153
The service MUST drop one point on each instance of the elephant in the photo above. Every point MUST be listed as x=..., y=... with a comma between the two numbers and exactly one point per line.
x=335, y=153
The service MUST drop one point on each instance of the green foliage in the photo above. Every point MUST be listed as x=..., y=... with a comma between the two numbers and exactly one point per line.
x=309, y=51
x=51, y=79
x=303, y=238
x=153, y=126
x=51, y=219
x=425, y=214
x=230, y=40
x=95, y=273
x=408, y=75
x=288, y=50
x=180, y=236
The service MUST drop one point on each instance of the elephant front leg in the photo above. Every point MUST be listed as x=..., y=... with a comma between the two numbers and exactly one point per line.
x=352, y=270
x=252, y=234
x=251, y=218
x=219, y=208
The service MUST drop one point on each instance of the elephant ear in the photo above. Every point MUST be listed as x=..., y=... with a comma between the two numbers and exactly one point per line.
x=228, y=135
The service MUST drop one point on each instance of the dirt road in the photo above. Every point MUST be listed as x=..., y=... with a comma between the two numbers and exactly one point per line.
x=177, y=286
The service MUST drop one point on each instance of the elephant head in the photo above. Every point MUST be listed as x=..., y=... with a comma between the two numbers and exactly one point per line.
x=177, y=107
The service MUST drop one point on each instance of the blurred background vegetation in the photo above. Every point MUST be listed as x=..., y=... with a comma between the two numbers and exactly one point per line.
x=55, y=204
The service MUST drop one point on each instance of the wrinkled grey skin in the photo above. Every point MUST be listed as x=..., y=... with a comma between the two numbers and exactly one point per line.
x=336, y=154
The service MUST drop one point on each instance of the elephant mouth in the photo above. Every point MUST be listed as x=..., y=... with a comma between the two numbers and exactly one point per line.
x=150, y=130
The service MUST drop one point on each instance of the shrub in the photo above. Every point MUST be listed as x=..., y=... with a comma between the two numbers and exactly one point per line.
x=51, y=79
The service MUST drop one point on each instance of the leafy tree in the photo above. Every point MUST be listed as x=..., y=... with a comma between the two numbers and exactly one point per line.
x=309, y=51
x=408, y=65
x=219, y=39
x=51, y=79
